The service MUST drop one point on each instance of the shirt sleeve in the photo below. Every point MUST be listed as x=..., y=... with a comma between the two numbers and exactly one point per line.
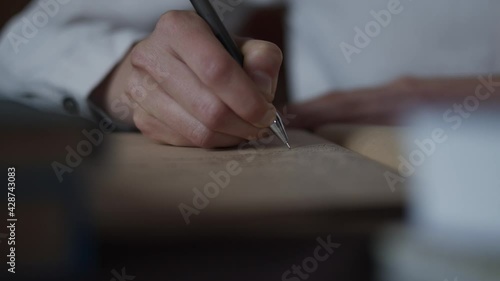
x=55, y=52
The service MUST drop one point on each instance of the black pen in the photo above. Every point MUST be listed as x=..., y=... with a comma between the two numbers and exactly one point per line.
x=206, y=11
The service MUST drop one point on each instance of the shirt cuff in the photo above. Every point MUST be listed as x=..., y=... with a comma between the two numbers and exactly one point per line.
x=77, y=74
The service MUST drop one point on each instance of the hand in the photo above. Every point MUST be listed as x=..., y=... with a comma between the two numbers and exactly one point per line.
x=381, y=105
x=183, y=88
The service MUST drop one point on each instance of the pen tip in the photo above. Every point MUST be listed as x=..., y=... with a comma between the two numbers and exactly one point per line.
x=288, y=146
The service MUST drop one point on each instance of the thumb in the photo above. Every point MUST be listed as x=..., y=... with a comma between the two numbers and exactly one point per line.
x=262, y=63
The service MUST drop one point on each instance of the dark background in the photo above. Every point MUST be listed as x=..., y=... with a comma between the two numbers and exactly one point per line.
x=10, y=8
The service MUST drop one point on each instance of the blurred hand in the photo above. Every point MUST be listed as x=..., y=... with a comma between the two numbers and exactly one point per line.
x=379, y=105
x=184, y=88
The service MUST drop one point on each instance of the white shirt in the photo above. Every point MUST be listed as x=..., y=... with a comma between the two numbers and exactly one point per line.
x=57, y=51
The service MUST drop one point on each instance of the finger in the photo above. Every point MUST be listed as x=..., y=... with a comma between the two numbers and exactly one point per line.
x=156, y=130
x=262, y=63
x=175, y=78
x=195, y=44
x=164, y=108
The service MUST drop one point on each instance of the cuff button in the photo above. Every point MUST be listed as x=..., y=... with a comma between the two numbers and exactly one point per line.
x=70, y=106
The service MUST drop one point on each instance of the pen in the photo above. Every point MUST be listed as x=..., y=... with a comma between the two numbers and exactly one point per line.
x=206, y=11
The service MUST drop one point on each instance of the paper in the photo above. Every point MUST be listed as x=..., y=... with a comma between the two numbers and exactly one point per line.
x=314, y=175
x=379, y=143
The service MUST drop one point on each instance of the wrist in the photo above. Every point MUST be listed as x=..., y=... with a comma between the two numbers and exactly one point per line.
x=110, y=95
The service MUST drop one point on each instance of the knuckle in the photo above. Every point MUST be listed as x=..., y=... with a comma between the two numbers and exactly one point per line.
x=169, y=19
x=152, y=70
x=135, y=92
x=159, y=74
x=147, y=72
x=216, y=69
x=139, y=57
x=131, y=89
x=172, y=21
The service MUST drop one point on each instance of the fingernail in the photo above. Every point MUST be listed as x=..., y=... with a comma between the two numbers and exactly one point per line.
x=265, y=84
x=268, y=118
